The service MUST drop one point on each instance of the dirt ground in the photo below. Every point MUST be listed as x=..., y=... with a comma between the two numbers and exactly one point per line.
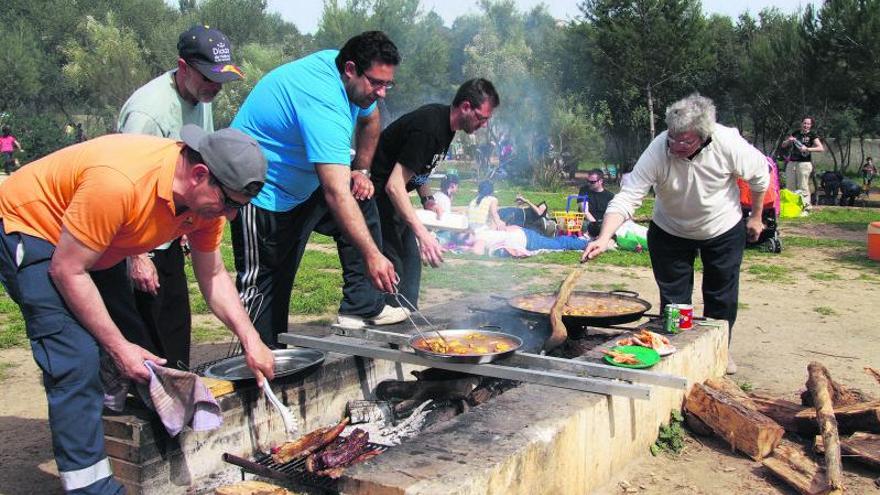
x=818, y=307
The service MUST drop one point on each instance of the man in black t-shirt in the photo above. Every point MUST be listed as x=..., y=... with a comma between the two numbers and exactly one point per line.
x=407, y=152
x=597, y=201
x=801, y=143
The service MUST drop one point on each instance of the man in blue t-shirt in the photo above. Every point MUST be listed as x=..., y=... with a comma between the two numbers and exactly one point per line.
x=303, y=115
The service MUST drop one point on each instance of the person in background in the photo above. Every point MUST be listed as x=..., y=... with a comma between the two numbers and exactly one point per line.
x=482, y=211
x=8, y=145
x=86, y=207
x=517, y=241
x=693, y=167
x=830, y=182
x=443, y=197
x=801, y=144
x=849, y=191
x=407, y=153
x=597, y=201
x=303, y=115
x=869, y=171
x=157, y=316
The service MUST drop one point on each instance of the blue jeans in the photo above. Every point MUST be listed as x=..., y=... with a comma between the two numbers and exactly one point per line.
x=67, y=354
x=535, y=241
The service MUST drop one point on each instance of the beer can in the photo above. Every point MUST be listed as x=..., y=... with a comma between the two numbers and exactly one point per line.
x=671, y=318
x=686, y=316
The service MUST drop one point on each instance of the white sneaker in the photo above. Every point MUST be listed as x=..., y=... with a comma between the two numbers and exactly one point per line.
x=389, y=316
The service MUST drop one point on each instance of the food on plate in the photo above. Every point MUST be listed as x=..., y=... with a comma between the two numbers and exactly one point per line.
x=340, y=454
x=307, y=444
x=579, y=305
x=646, y=338
x=622, y=357
x=473, y=343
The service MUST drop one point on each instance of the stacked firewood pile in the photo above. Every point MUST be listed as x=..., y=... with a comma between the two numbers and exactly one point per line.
x=839, y=422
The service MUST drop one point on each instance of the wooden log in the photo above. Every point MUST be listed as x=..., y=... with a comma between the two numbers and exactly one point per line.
x=840, y=395
x=861, y=447
x=785, y=412
x=727, y=385
x=819, y=387
x=558, y=331
x=798, y=470
x=858, y=417
x=744, y=429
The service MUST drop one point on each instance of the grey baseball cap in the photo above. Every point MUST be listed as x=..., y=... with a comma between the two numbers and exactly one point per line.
x=233, y=157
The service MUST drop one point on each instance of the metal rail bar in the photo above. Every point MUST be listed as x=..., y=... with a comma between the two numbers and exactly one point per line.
x=536, y=361
x=541, y=377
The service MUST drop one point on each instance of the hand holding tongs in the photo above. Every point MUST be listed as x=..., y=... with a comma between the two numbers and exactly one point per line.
x=290, y=424
x=404, y=303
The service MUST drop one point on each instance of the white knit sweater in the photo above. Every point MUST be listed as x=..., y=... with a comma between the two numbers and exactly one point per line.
x=696, y=199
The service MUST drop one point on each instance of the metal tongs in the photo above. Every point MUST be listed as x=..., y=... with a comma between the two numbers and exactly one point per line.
x=404, y=303
x=290, y=423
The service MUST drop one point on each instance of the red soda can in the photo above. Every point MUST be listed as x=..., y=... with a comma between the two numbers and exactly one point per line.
x=686, y=316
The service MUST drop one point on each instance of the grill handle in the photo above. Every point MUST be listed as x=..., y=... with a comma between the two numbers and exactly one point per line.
x=253, y=467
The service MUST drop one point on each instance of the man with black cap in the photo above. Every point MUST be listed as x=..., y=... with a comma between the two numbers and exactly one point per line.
x=158, y=313
x=88, y=206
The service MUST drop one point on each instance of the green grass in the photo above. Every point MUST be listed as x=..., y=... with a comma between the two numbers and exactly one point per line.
x=843, y=217
x=670, y=438
x=746, y=386
x=867, y=278
x=794, y=241
x=825, y=310
x=825, y=276
x=742, y=305
x=769, y=273
x=12, y=330
x=207, y=332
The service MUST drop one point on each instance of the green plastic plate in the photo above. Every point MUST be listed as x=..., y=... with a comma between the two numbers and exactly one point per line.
x=647, y=356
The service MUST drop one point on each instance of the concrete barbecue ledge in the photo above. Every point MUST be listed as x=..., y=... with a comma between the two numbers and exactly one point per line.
x=531, y=439
x=536, y=439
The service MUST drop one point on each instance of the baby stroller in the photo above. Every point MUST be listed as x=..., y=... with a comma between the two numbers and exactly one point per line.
x=769, y=240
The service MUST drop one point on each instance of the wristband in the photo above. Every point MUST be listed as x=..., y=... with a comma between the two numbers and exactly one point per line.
x=361, y=171
x=425, y=199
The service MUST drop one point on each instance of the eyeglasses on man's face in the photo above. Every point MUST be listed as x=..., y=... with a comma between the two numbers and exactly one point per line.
x=686, y=142
x=227, y=201
x=379, y=83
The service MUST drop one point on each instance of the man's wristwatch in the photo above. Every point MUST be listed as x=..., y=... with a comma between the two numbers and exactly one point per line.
x=362, y=171
x=425, y=199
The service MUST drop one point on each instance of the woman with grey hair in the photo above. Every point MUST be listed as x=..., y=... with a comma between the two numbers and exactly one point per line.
x=693, y=167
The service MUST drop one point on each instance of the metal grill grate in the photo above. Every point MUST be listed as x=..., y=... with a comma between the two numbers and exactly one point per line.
x=296, y=471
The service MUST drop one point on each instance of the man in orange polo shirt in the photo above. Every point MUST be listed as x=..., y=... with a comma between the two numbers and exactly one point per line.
x=87, y=207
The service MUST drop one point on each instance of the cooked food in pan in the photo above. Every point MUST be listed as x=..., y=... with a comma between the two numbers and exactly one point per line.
x=473, y=343
x=579, y=305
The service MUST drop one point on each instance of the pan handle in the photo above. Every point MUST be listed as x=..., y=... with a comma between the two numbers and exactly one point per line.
x=625, y=292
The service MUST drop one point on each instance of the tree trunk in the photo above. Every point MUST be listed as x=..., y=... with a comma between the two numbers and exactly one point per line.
x=651, y=112
x=818, y=385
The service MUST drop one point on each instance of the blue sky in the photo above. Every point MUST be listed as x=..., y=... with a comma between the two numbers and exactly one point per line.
x=305, y=13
